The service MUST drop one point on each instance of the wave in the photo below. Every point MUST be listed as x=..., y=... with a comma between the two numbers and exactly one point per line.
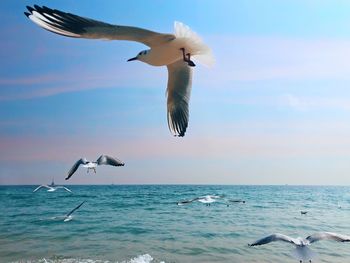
x=146, y=258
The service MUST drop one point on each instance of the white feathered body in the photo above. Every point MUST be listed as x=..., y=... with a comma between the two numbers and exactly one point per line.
x=90, y=165
x=167, y=53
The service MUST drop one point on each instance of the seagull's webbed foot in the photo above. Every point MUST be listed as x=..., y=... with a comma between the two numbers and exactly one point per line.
x=187, y=58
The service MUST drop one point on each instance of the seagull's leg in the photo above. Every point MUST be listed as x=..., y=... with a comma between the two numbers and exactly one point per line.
x=188, y=58
x=95, y=170
x=183, y=54
x=189, y=61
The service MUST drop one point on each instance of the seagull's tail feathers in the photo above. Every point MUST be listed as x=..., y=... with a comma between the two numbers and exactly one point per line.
x=200, y=51
x=303, y=253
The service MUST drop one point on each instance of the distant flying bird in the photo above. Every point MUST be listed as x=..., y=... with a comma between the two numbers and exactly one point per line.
x=52, y=187
x=69, y=217
x=302, y=252
x=172, y=50
x=207, y=199
x=103, y=159
x=303, y=212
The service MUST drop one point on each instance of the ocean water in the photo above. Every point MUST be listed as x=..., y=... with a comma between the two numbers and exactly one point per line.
x=142, y=224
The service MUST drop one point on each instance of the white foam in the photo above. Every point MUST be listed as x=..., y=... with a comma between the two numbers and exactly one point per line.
x=146, y=258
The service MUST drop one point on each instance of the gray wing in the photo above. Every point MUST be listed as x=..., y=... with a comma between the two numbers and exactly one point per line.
x=75, y=167
x=71, y=25
x=71, y=212
x=105, y=159
x=185, y=202
x=273, y=238
x=178, y=92
x=39, y=187
x=328, y=235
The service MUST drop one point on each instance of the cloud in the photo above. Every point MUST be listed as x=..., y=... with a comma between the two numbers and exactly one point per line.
x=264, y=139
x=239, y=60
x=302, y=103
x=50, y=84
x=273, y=58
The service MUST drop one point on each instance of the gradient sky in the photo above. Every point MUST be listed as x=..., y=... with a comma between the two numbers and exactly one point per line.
x=275, y=108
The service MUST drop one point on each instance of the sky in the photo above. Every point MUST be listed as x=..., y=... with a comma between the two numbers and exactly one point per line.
x=274, y=109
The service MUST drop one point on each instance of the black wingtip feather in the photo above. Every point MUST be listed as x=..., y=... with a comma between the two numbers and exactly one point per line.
x=30, y=9
x=27, y=14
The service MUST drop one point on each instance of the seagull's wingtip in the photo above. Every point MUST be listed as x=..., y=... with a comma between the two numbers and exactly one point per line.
x=27, y=14
x=30, y=9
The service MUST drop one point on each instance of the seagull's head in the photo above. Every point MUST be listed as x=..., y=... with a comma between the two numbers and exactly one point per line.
x=140, y=56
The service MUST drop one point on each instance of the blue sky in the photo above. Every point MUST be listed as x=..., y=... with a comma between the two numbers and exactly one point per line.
x=274, y=109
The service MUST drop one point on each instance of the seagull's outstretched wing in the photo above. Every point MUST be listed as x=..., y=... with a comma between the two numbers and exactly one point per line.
x=65, y=188
x=185, y=202
x=328, y=235
x=71, y=212
x=179, y=92
x=75, y=167
x=39, y=187
x=105, y=159
x=273, y=238
x=71, y=25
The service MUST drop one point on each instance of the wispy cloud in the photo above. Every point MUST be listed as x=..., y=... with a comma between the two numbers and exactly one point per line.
x=239, y=59
x=112, y=76
x=275, y=58
x=303, y=103
x=294, y=140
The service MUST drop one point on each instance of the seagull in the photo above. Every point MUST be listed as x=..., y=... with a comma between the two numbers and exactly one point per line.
x=302, y=251
x=69, y=217
x=51, y=187
x=103, y=159
x=303, y=212
x=207, y=200
x=172, y=50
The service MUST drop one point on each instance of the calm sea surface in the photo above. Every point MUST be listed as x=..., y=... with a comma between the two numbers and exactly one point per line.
x=142, y=224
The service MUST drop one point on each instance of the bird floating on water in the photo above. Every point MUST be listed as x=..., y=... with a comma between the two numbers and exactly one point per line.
x=52, y=187
x=302, y=252
x=172, y=50
x=103, y=159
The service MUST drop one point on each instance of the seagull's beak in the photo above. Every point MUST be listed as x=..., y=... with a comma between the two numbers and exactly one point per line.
x=131, y=59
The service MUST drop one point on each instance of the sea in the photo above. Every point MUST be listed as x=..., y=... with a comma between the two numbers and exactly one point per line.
x=144, y=224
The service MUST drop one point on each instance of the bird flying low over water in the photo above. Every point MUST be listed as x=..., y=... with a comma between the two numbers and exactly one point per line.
x=51, y=187
x=69, y=217
x=207, y=199
x=103, y=159
x=172, y=50
x=302, y=252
